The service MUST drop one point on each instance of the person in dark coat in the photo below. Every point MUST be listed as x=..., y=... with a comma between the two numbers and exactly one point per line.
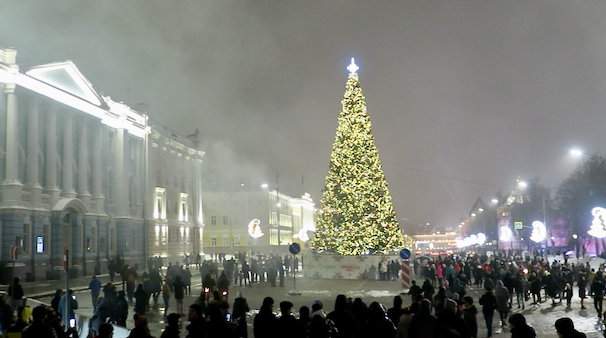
x=265, y=320
x=239, y=315
x=378, y=325
x=141, y=329
x=502, y=295
x=55, y=301
x=302, y=322
x=217, y=326
x=360, y=312
x=344, y=321
x=396, y=311
x=38, y=328
x=423, y=322
x=141, y=300
x=178, y=286
x=565, y=328
x=449, y=324
x=414, y=291
x=470, y=313
x=286, y=325
x=172, y=330
x=428, y=290
x=489, y=304
x=519, y=328
x=197, y=326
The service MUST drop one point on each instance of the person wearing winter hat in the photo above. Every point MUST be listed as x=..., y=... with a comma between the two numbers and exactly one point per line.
x=565, y=328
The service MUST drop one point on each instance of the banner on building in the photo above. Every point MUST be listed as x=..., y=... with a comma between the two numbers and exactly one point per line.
x=347, y=267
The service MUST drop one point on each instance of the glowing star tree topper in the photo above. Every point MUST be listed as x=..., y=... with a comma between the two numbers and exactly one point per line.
x=357, y=216
x=598, y=228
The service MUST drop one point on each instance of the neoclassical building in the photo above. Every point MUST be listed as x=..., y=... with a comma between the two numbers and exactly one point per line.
x=83, y=173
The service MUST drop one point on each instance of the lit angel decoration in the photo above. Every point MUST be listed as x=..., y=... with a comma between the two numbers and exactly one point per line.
x=598, y=229
x=539, y=232
x=254, y=228
x=505, y=234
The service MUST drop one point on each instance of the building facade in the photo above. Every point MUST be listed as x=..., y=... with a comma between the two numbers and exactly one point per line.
x=283, y=220
x=88, y=178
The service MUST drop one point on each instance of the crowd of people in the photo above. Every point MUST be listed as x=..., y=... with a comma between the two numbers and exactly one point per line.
x=442, y=306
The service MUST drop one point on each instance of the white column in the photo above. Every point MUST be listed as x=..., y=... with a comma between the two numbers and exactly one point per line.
x=51, y=156
x=83, y=190
x=121, y=184
x=11, y=187
x=68, y=157
x=97, y=172
x=32, y=184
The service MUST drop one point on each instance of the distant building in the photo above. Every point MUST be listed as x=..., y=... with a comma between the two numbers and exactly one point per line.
x=435, y=244
x=82, y=172
x=283, y=220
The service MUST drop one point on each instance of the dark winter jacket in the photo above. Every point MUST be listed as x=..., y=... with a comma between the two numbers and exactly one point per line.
x=488, y=302
x=523, y=332
x=264, y=324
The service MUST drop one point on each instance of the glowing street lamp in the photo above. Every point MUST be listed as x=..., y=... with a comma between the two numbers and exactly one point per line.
x=264, y=185
x=576, y=152
x=522, y=184
x=495, y=201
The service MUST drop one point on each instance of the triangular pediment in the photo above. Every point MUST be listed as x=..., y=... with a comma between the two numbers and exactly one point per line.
x=66, y=76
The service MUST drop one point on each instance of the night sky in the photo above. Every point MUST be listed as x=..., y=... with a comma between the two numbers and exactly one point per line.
x=464, y=96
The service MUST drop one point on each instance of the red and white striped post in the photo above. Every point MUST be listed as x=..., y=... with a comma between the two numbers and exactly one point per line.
x=405, y=274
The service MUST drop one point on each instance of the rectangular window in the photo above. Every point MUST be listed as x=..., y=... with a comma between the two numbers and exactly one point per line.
x=102, y=244
x=236, y=220
x=183, y=210
x=213, y=241
x=213, y=220
x=225, y=220
x=236, y=240
x=160, y=203
x=39, y=244
x=225, y=241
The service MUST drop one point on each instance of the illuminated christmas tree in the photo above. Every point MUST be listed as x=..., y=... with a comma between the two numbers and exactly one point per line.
x=357, y=216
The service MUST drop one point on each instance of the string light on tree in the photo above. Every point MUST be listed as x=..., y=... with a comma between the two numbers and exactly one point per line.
x=357, y=216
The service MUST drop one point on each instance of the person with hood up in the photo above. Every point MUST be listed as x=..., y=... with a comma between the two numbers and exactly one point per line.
x=502, y=295
x=519, y=328
x=344, y=321
x=565, y=328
